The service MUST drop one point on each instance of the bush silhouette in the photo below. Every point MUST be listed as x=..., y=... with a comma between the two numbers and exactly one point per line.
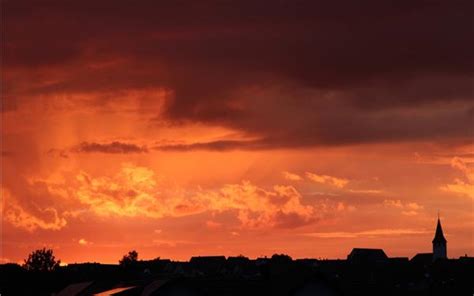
x=129, y=259
x=41, y=260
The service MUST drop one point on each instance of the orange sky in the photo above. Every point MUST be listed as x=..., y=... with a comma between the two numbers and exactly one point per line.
x=185, y=137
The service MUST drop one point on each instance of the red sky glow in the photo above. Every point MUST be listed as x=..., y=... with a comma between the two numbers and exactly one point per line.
x=234, y=127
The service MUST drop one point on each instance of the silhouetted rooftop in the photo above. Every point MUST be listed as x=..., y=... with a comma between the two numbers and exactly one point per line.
x=422, y=258
x=362, y=255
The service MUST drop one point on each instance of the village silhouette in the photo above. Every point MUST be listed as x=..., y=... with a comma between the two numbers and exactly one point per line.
x=364, y=272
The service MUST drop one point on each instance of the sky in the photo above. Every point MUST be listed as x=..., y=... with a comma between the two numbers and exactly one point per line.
x=182, y=128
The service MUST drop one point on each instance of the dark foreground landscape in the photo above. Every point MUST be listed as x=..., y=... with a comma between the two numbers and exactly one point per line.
x=365, y=272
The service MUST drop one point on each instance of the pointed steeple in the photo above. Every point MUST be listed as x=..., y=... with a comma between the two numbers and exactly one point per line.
x=440, y=250
x=439, y=236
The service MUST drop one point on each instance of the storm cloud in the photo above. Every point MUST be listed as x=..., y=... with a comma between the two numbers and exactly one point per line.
x=113, y=147
x=288, y=74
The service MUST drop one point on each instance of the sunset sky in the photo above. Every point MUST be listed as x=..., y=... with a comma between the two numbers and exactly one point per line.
x=181, y=128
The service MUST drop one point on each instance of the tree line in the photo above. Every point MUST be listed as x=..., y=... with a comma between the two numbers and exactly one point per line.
x=44, y=260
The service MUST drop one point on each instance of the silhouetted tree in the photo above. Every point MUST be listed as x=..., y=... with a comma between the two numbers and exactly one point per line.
x=281, y=258
x=41, y=260
x=129, y=259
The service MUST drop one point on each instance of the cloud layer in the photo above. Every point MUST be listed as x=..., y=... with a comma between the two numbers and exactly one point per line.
x=113, y=147
x=138, y=192
x=300, y=75
x=465, y=185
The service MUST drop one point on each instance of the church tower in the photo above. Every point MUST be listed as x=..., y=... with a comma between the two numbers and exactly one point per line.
x=439, y=243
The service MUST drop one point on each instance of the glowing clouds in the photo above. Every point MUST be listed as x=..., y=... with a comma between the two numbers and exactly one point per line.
x=135, y=191
x=257, y=207
x=317, y=178
x=131, y=192
x=18, y=217
x=408, y=208
x=291, y=176
x=459, y=164
x=463, y=187
x=138, y=192
x=325, y=179
x=47, y=218
x=83, y=242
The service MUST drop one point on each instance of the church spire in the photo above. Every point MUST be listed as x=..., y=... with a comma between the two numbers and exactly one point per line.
x=439, y=243
x=439, y=236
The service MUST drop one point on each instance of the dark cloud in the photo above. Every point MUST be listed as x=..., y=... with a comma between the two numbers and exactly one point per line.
x=113, y=148
x=293, y=74
x=287, y=126
x=214, y=146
